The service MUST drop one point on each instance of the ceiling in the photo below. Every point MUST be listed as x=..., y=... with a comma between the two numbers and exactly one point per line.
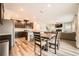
x=41, y=11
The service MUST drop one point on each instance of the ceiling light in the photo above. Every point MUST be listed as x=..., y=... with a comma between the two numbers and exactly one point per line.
x=21, y=9
x=49, y=5
x=34, y=17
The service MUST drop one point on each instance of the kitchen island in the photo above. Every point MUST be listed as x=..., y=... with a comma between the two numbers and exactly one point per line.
x=22, y=32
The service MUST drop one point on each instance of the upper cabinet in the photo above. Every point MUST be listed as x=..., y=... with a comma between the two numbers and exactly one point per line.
x=23, y=24
x=19, y=24
x=1, y=12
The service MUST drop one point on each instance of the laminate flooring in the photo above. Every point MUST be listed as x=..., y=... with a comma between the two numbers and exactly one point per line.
x=22, y=47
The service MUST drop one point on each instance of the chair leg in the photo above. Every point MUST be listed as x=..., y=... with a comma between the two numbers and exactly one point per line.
x=46, y=45
x=40, y=50
x=35, y=49
x=58, y=45
x=55, y=48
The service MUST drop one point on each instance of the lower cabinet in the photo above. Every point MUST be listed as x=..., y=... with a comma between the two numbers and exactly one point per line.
x=68, y=36
x=21, y=34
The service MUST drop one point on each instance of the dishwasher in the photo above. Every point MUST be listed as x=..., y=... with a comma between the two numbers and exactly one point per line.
x=4, y=47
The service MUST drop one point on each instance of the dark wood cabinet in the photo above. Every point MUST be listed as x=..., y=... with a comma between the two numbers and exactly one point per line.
x=1, y=12
x=19, y=24
x=29, y=25
x=21, y=34
x=68, y=36
x=23, y=24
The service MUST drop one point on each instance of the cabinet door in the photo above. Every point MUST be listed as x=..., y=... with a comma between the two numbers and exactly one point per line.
x=1, y=12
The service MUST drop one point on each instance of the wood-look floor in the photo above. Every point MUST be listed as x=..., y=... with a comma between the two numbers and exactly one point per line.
x=24, y=48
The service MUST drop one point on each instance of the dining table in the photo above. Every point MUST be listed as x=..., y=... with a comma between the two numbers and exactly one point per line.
x=47, y=36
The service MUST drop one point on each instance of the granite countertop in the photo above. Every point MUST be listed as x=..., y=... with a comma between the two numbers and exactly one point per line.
x=19, y=29
x=22, y=29
x=4, y=37
x=4, y=34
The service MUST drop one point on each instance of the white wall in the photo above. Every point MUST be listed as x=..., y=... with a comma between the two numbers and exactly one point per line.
x=77, y=33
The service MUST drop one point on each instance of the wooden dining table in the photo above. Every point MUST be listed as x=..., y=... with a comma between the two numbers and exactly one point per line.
x=47, y=36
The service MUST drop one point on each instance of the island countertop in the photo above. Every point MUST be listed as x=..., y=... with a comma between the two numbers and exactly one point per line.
x=2, y=34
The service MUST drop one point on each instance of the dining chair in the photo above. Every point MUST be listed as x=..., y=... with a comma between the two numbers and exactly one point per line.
x=38, y=42
x=55, y=41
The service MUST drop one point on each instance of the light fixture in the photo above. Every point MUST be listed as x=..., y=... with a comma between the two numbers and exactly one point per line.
x=49, y=5
x=22, y=22
x=33, y=17
x=21, y=9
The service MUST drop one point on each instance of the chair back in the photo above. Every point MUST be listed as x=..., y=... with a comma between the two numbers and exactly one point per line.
x=37, y=41
x=58, y=34
x=37, y=36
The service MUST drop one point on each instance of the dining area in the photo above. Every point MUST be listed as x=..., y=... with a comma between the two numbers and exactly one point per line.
x=45, y=40
x=30, y=42
x=44, y=44
x=42, y=39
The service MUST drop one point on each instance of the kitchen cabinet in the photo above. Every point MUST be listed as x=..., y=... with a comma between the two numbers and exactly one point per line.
x=19, y=24
x=23, y=24
x=21, y=34
x=68, y=36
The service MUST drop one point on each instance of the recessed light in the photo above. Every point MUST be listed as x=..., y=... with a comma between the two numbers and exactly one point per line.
x=34, y=17
x=21, y=9
x=22, y=22
x=49, y=5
